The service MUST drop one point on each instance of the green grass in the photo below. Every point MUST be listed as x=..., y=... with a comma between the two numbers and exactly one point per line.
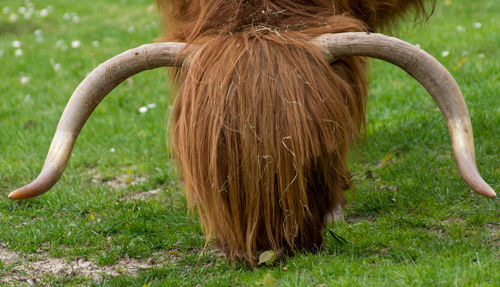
x=412, y=220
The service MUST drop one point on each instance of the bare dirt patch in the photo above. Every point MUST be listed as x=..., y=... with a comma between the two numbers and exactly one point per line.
x=26, y=269
x=494, y=234
x=355, y=218
x=142, y=195
x=117, y=182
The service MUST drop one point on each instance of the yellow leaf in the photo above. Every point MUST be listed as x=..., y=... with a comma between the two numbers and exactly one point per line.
x=268, y=280
x=387, y=158
x=460, y=63
x=267, y=257
x=174, y=252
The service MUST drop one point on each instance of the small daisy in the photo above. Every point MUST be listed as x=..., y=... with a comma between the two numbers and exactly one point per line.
x=477, y=25
x=25, y=80
x=55, y=66
x=6, y=10
x=445, y=53
x=28, y=15
x=44, y=12
x=152, y=106
x=142, y=110
x=18, y=53
x=460, y=29
x=75, y=44
x=16, y=44
x=13, y=17
x=59, y=43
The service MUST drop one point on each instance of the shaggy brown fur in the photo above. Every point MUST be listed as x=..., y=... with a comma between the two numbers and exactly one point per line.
x=262, y=123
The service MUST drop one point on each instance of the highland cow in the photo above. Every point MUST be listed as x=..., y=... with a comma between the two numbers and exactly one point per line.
x=266, y=109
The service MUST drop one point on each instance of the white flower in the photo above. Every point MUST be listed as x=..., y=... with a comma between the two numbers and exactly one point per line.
x=481, y=55
x=25, y=80
x=142, y=110
x=131, y=29
x=112, y=149
x=22, y=10
x=44, y=12
x=13, y=17
x=16, y=44
x=460, y=29
x=6, y=10
x=55, y=66
x=152, y=106
x=417, y=45
x=75, y=44
x=18, y=53
x=445, y=53
x=38, y=34
x=66, y=16
x=76, y=19
x=477, y=25
x=95, y=43
x=59, y=43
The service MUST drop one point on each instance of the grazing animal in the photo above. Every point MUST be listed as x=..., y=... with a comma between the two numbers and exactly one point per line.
x=262, y=123
x=263, y=118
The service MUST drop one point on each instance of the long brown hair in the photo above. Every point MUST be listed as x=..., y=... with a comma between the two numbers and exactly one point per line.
x=262, y=123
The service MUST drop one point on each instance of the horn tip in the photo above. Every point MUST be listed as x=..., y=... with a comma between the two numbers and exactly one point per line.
x=26, y=192
x=486, y=190
x=15, y=195
x=490, y=193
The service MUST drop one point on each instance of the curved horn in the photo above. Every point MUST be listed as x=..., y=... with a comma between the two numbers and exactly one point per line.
x=86, y=98
x=432, y=76
x=423, y=67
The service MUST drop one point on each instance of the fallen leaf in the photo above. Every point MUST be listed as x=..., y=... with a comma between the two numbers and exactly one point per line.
x=460, y=63
x=268, y=280
x=387, y=158
x=267, y=257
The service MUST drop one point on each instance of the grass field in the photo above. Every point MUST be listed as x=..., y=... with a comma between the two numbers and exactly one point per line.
x=118, y=216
